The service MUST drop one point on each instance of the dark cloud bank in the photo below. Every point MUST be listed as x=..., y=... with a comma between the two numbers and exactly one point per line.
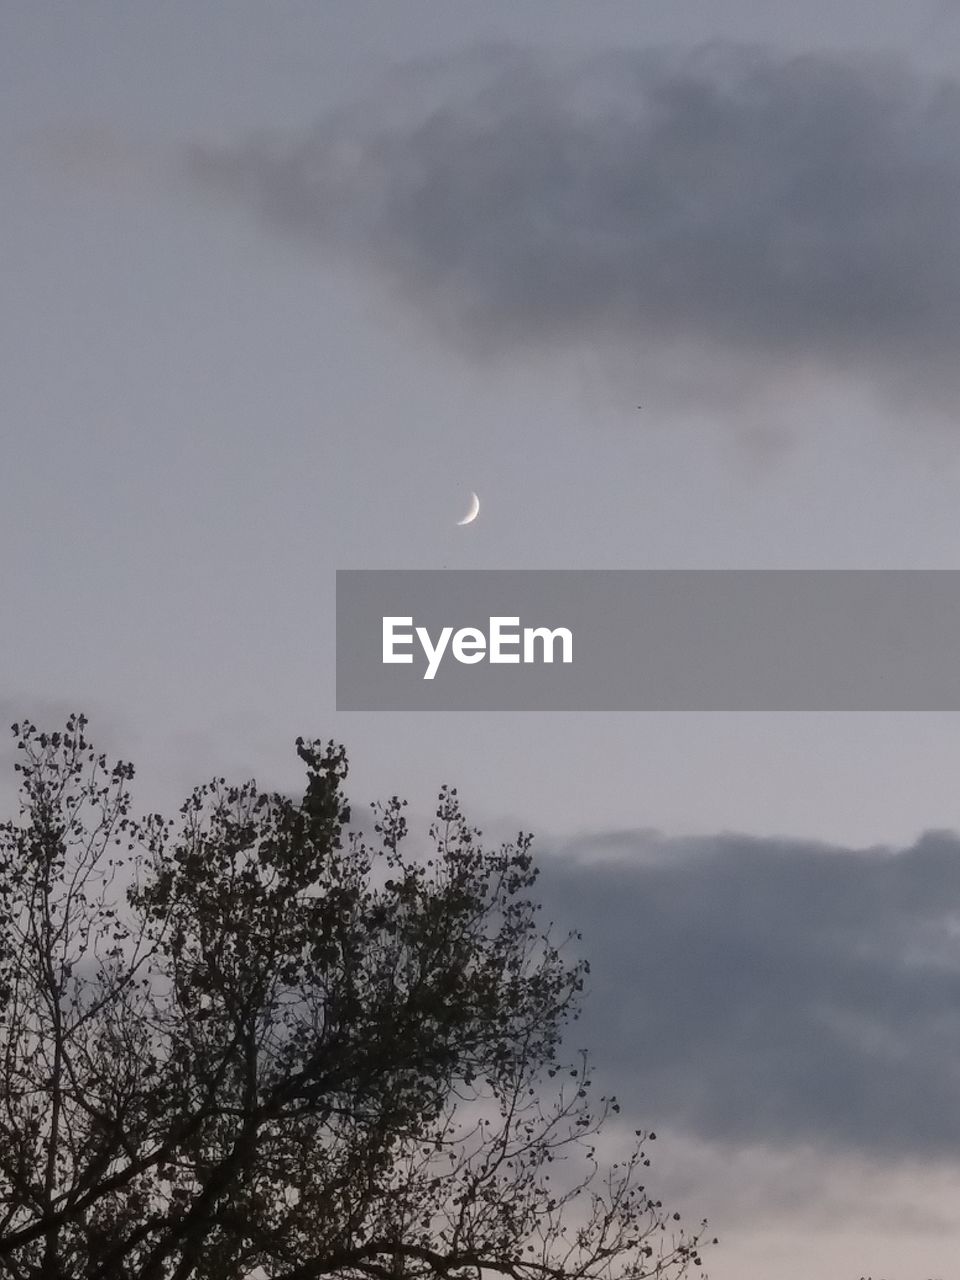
x=778, y=992
x=784, y=209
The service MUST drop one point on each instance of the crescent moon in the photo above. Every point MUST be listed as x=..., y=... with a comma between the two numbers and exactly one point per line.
x=473, y=512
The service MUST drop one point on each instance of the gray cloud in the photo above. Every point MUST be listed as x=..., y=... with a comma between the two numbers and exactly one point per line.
x=793, y=211
x=773, y=992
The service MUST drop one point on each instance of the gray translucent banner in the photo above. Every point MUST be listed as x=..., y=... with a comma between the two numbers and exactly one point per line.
x=648, y=640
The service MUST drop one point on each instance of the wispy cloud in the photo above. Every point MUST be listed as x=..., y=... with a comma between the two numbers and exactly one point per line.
x=787, y=211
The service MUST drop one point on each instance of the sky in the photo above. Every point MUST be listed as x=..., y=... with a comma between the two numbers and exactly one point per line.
x=284, y=284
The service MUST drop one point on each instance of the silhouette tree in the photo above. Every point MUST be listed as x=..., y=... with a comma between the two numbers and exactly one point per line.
x=250, y=1043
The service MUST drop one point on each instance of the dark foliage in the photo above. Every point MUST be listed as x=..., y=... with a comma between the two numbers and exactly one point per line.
x=249, y=1043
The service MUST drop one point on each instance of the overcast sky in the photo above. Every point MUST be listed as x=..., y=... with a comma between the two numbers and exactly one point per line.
x=284, y=283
